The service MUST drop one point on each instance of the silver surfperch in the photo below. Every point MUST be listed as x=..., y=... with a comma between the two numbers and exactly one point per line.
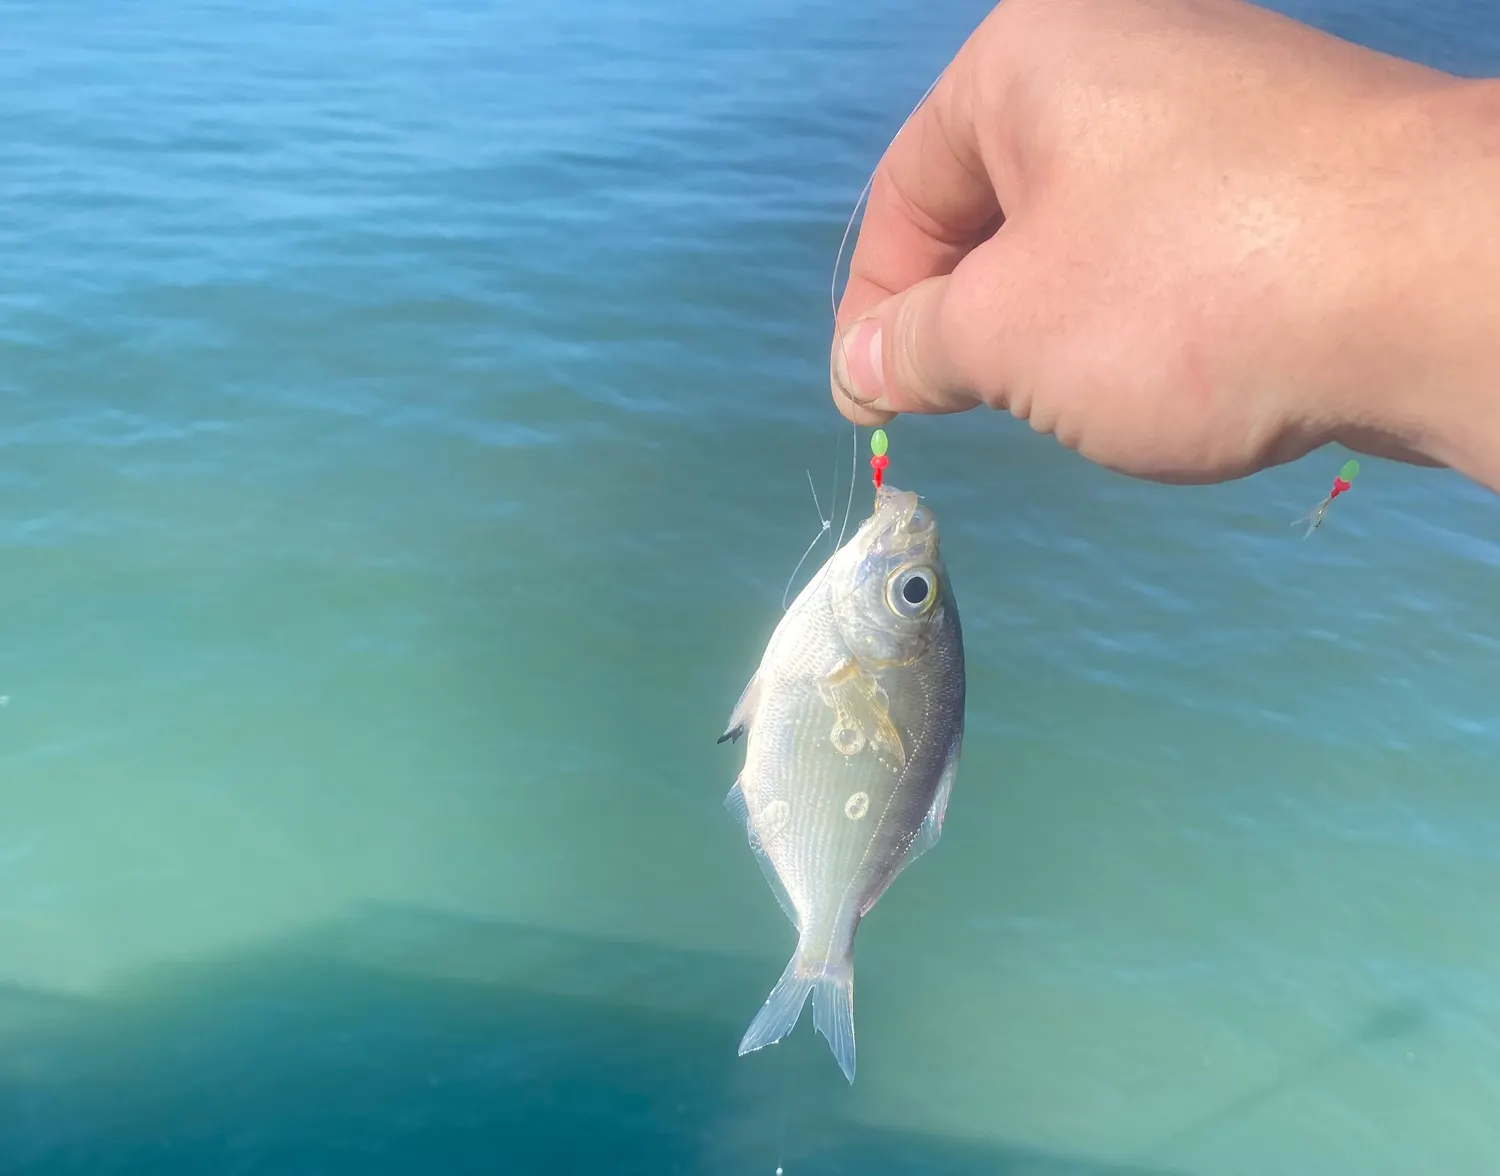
x=853, y=725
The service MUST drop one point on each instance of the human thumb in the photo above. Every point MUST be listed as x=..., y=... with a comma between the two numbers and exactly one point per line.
x=911, y=353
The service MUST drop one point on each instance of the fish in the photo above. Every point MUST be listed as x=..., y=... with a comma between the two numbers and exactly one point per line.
x=853, y=728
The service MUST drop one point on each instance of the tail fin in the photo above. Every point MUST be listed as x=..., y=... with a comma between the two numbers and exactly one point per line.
x=833, y=1016
x=832, y=990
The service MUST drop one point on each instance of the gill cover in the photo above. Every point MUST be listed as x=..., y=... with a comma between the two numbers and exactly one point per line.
x=886, y=597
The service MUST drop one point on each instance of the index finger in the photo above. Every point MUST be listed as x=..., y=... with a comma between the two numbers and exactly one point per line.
x=931, y=200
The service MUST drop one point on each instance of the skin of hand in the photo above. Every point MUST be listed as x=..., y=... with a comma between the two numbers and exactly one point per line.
x=1190, y=239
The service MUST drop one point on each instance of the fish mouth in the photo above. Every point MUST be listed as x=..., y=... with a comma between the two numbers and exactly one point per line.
x=901, y=523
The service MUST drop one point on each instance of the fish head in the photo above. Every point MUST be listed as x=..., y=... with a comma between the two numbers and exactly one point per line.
x=890, y=592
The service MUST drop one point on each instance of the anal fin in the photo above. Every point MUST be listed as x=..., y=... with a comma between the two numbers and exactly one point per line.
x=738, y=807
x=734, y=801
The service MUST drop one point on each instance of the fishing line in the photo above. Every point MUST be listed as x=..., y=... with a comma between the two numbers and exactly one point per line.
x=827, y=526
x=833, y=297
x=833, y=301
x=781, y=1137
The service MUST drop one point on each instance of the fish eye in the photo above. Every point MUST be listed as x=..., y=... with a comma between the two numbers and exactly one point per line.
x=911, y=591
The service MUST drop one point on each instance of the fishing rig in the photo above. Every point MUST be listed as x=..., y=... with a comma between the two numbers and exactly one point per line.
x=1343, y=480
x=878, y=459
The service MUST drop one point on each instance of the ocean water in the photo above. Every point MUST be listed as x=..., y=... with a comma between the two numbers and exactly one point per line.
x=405, y=411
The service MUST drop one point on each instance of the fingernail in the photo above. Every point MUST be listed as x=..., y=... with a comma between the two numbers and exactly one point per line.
x=859, y=365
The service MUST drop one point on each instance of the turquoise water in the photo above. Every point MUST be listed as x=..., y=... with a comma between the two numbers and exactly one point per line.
x=404, y=411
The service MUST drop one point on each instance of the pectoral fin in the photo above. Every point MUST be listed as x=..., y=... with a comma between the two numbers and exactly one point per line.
x=862, y=716
x=739, y=718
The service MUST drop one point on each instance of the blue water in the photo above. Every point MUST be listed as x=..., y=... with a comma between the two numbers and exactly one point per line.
x=404, y=410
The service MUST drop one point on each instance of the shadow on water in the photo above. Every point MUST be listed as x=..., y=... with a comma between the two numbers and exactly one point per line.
x=1397, y=1021
x=403, y=1041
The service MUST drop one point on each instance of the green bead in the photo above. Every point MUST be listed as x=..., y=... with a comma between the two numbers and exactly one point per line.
x=1350, y=469
x=878, y=443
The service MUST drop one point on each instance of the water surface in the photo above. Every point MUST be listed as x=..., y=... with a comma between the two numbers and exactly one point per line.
x=404, y=411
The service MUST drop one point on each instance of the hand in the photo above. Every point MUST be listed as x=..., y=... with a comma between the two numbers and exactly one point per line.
x=1190, y=239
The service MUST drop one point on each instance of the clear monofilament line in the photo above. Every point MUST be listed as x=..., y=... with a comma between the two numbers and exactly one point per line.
x=833, y=299
x=827, y=526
